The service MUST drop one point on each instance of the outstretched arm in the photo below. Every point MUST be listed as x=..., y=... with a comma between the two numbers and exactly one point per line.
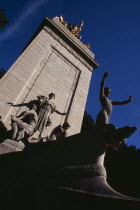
x=17, y=105
x=102, y=84
x=60, y=112
x=122, y=102
x=23, y=104
x=82, y=23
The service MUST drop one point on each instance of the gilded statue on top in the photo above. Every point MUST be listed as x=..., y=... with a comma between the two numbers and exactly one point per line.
x=61, y=19
x=74, y=29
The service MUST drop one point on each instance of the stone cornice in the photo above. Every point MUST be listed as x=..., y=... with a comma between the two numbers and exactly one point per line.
x=68, y=40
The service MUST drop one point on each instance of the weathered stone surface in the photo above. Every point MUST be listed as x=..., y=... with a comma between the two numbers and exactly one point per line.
x=9, y=146
x=54, y=61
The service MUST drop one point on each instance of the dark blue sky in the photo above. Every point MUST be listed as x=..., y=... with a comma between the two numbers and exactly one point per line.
x=112, y=27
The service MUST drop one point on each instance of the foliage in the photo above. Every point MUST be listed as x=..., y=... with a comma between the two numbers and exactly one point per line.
x=3, y=129
x=2, y=72
x=123, y=170
x=88, y=123
x=3, y=19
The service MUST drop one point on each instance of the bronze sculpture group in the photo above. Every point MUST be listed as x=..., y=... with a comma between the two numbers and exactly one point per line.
x=31, y=124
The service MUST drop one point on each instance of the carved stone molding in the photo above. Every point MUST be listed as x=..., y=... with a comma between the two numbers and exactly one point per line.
x=68, y=47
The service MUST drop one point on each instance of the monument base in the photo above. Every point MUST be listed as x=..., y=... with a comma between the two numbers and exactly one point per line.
x=9, y=146
x=29, y=179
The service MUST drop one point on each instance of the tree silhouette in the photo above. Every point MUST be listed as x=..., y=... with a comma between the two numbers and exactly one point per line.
x=3, y=19
x=2, y=72
x=88, y=123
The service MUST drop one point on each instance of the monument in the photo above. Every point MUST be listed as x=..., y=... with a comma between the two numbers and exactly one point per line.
x=54, y=60
x=48, y=84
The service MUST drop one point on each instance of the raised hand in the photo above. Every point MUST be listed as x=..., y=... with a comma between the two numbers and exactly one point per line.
x=9, y=103
x=106, y=74
x=131, y=98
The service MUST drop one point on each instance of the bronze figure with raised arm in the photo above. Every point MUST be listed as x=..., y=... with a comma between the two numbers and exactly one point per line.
x=105, y=113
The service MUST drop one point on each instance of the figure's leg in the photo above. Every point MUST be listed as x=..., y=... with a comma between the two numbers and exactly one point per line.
x=21, y=134
x=102, y=118
x=43, y=127
x=106, y=117
x=14, y=130
x=20, y=128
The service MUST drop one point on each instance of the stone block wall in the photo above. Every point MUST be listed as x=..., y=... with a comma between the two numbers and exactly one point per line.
x=54, y=61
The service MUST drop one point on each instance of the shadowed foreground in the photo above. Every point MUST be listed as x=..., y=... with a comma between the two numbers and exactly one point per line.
x=45, y=176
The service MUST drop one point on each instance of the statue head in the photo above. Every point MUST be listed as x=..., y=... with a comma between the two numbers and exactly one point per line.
x=51, y=95
x=107, y=91
x=66, y=125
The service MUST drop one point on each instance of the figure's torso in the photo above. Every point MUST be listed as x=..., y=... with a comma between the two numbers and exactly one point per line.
x=106, y=105
x=48, y=105
x=30, y=118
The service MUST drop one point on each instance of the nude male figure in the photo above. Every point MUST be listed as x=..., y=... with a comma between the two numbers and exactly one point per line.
x=106, y=111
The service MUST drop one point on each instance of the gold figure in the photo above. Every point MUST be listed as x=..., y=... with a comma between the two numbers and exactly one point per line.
x=87, y=45
x=60, y=18
x=74, y=29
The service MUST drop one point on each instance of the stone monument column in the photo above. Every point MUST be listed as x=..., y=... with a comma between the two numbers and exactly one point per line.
x=53, y=61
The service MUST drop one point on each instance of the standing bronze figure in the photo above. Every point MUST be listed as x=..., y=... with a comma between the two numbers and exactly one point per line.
x=106, y=111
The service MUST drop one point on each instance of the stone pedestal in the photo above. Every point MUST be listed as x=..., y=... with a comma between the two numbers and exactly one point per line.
x=26, y=182
x=54, y=61
x=9, y=146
